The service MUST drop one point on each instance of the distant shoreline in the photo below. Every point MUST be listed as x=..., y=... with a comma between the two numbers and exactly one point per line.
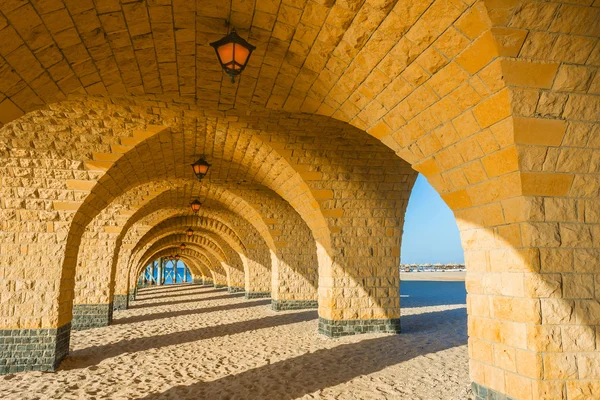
x=433, y=276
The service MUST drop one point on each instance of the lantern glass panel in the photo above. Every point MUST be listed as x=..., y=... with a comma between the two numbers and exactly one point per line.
x=200, y=169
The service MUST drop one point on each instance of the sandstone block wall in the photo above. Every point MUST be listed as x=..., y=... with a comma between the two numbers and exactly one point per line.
x=496, y=103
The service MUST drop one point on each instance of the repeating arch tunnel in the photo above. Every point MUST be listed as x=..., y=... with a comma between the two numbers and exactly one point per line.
x=314, y=152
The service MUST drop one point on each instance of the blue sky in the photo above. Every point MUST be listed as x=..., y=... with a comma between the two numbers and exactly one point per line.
x=430, y=231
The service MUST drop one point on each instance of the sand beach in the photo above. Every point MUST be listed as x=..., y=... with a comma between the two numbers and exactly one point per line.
x=194, y=342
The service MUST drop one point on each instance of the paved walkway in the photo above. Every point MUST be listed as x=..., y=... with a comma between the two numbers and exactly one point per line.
x=193, y=342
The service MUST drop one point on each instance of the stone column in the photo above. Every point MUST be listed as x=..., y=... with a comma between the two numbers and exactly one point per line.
x=120, y=302
x=359, y=278
x=94, y=284
x=175, y=272
x=257, y=274
x=294, y=266
x=159, y=276
x=152, y=270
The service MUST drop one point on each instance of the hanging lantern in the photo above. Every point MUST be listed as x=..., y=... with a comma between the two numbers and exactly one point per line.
x=182, y=246
x=170, y=258
x=200, y=168
x=177, y=257
x=189, y=232
x=195, y=205
x=233, y=53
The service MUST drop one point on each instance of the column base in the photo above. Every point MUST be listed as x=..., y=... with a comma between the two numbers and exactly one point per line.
x=484, y=393
x=198, y=281
x=283, y=305
x=207, y=282
x=132, y=294
x=87, y=316
x=33, y=349
x=120, y=302
x=257, y=295
x=219, y=286
x=334, y=329
x=236, y=289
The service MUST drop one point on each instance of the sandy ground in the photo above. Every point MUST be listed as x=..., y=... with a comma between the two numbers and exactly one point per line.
x=191, y=342
x=433, y=276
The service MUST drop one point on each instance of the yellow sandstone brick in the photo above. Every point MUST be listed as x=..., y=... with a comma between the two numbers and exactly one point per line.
x=457, y=199
x=478, y=54
x=112, y=157
x=80, y=185
x=336, y=213
x=549, y=132
x=9, y=111
x=98, y=165
x=501, y=162
x=311, y=176
x=546, y=184
x=379, y=130
x=493, y=109
x=529, y=74
x=66, y=205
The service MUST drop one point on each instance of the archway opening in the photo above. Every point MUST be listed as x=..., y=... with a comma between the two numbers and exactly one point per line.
x=432, y=283
x=165, y=271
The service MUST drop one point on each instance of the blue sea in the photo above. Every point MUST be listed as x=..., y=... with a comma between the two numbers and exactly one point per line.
x=431, y=293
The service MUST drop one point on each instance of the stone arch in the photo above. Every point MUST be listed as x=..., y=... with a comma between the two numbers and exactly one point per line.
x=257, y=251
x=213, y=267
x=219, y=259
x=197, y=267
x=233, y=264
x=208, y=224
x=224, y=236
x=495, y=102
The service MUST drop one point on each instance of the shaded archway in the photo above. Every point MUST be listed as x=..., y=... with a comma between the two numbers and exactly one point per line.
x=495, y=103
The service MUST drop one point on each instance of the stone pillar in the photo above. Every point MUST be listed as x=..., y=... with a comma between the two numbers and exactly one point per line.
x=37, y=349
x=159, y=276
x=175, y=272
x=293, y=287
x=219, y=279
x=185, y=272
x=359, y=278
x=198, y=281
x=294, y=264
x=87, y=316
x=359, y=282
x=152, y=270
x=120, y=302
x=257, y=275
x=235, y=279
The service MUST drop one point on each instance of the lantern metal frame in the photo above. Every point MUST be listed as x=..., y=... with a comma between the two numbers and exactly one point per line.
x=195, y=206
x=201, y=162
x=189, y=232
x=182, y=246
x=234, y=38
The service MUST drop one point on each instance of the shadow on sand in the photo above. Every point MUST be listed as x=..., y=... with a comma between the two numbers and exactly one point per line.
x=195, y=311
x=177, y=293
x=95, y=354
x=311, y=372
x=225, y=295
x=170, y=288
